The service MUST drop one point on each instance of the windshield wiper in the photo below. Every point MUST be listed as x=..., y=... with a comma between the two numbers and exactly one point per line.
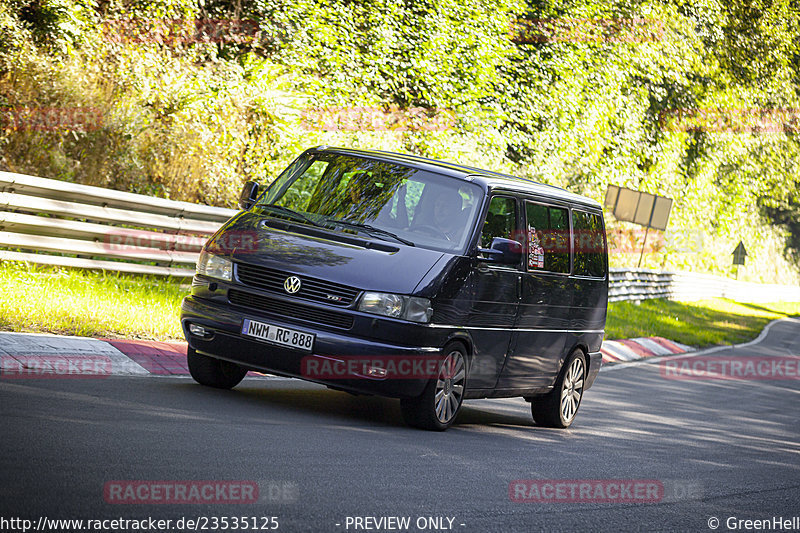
x=371, y=229
x=291, y=212
x=366, y=227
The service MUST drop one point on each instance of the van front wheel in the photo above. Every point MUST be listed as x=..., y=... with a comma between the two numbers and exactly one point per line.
x=437, y=407
x=558, y=408
x=214, y=372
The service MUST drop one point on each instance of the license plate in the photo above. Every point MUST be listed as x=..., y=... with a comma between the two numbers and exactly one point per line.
x=278, y=335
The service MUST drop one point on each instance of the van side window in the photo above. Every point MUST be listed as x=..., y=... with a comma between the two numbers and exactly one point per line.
x=590, y=244
x=501, y=221
x=547, y=238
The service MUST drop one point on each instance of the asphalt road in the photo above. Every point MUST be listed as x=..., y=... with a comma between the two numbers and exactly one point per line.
x=720, y=448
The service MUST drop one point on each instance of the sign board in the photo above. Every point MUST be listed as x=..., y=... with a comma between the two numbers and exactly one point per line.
x=739, y=254
x=641, y=208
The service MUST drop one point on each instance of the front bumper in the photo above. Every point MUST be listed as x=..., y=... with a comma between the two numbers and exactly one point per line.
x=226, y=342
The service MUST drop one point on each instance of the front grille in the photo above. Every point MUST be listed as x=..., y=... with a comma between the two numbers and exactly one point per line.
x=270, y=279
x=283, y=309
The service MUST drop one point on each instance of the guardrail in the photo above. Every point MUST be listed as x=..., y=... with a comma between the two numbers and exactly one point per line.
x=643, y=284
x=60, y=223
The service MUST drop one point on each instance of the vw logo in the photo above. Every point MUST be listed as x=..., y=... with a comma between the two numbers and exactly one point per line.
x=292, y=284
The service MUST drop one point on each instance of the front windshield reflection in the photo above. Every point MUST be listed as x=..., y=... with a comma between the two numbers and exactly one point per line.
x=428, y=209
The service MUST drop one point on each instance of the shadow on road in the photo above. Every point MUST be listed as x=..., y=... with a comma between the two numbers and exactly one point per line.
x=327, y=406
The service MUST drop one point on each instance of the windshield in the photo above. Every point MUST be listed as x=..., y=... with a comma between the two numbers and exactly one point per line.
x=384, y=200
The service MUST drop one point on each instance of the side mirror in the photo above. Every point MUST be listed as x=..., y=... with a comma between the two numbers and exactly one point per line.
x=249, y=195
x=503, y=251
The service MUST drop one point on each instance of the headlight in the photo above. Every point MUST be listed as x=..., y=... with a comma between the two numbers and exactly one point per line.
x=397, y=306
x=214, y=266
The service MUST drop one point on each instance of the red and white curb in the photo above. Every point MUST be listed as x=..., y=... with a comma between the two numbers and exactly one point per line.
x=44, y=355
x=41, y=355
x=640, y=348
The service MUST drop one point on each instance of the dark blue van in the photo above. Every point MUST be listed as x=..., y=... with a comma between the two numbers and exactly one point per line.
x=391, y=274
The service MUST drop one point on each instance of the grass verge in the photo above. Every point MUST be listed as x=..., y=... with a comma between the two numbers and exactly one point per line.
x=703, y=323
x=36, y=298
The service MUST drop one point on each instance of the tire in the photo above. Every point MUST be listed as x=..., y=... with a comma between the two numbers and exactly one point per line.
x=558, y=408
x=214, y=372
x=438, y=405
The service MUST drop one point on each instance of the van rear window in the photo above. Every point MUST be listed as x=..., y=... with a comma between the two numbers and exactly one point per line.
x=547, y=238
x=590, y=244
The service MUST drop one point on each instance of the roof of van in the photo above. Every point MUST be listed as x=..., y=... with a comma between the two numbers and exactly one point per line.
x=489, y=178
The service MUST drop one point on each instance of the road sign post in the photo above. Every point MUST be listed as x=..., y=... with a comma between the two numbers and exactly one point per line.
x=738, y=256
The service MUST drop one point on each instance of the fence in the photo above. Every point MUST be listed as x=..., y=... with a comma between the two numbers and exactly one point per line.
x=41, y=220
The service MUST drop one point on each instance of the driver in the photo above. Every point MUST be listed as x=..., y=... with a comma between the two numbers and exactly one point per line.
x=447, y=214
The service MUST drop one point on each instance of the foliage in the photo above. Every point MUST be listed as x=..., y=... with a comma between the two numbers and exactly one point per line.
x=697, y=100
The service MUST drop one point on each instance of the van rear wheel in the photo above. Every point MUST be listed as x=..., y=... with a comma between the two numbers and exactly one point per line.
x=558, y=408
x=214, y=372
x=436, y=408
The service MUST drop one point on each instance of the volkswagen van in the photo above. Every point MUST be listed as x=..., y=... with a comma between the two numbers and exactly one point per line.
x=396, y=275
